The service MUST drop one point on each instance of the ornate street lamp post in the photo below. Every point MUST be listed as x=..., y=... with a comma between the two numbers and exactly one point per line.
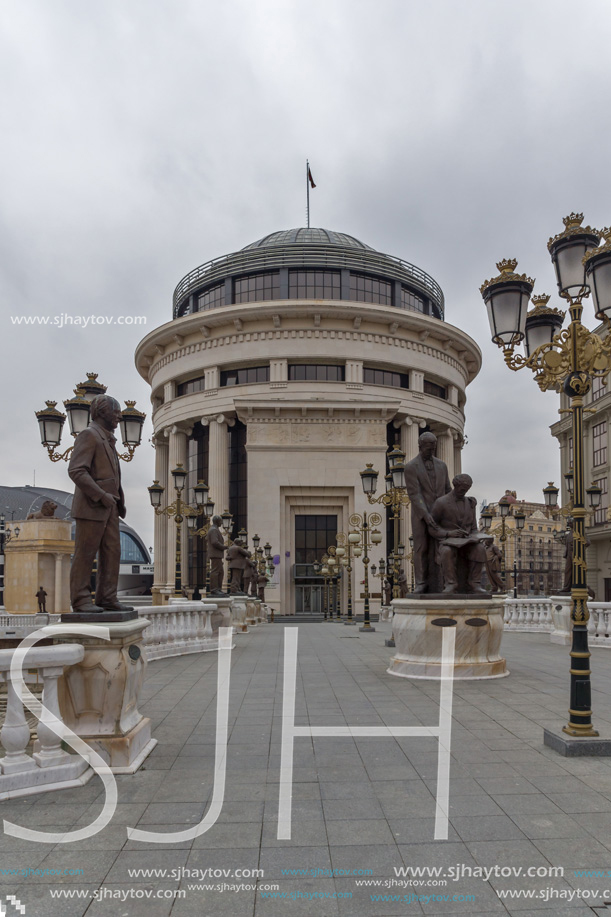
x=179, y=510
x=78, y=409
x=563, y=361
x=395, y=498
x=362, y=538
x=344, y=552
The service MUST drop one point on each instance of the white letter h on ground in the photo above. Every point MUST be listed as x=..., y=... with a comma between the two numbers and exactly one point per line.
x=290, y=732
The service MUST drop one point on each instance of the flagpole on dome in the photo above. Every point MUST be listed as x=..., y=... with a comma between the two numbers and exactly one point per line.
x=309, y=181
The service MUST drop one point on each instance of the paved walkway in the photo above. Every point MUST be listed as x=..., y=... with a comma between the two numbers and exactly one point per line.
x=361, y=808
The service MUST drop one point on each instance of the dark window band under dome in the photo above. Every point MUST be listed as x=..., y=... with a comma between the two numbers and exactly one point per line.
x=308, y=264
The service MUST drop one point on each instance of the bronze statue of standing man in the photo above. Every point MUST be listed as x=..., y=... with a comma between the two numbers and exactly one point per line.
x=426, y=479
x=96, y=507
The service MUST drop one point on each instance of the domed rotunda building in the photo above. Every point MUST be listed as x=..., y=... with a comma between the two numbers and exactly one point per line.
x=286, y=368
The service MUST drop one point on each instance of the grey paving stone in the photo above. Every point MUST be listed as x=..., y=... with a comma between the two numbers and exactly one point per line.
x=550, y=825
x=583, y=853
x=486, y=827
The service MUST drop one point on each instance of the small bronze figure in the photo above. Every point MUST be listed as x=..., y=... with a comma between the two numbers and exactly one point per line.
x=387, y=592
x=41, y=595
x=215, y=548
x=426, y=479
x=247, y=574
x=493, y=568
x=261, y=584
x=402, y=584
x=237, y=555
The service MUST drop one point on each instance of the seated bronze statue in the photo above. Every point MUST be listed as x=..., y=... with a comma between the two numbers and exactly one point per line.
x=461, y=549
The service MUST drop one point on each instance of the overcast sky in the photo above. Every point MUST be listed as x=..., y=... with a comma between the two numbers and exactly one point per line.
x=141, y=138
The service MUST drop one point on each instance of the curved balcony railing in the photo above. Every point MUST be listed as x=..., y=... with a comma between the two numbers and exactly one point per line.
x=313, y=256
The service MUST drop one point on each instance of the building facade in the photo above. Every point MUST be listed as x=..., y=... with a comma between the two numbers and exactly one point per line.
x=287, y=366
x=534, y=555
x=597, y=455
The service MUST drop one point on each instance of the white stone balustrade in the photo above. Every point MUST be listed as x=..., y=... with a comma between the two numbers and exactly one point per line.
x=50, y=767
x=525, y=615
x=179, y=628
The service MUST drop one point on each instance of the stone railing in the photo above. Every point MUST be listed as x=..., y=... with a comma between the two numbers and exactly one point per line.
x=528, y=614
x=599, y=625
x=547, y=616
x=179, y=628
x=19, y=626
x=49, y=767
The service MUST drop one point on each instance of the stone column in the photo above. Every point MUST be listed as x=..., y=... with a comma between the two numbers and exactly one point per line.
x=177, y=453
x=160, y=537
x=445, y=450
x=410, y=431
x=458, y=447
x=218, y=462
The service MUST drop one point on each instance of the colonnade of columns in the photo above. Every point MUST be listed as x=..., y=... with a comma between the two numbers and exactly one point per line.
x=171, y=450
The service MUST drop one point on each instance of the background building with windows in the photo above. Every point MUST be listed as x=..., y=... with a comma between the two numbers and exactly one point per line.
x=17, y=503
x=597, y=453
x=287, y=366
x=537, y=550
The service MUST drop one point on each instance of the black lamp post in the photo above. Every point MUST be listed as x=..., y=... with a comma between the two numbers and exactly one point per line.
x=565, y=360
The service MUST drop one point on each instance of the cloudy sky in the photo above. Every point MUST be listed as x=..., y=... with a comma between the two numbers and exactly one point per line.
x=141, y=138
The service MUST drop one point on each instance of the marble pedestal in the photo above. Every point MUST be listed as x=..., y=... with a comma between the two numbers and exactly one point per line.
x=239, y=613
x=561, y=620
x=252, y=612
x=418, y=630
x=98, y=697
x=385, y=612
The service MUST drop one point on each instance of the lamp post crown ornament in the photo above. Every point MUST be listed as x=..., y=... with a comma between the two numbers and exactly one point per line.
x=541, y=307
x=506, y=267
x=572, y=227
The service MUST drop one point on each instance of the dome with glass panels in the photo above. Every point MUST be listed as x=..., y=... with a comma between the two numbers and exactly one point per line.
x=308, y=263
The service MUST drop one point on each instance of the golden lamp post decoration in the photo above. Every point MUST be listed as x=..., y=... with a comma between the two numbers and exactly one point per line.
x=563, y=361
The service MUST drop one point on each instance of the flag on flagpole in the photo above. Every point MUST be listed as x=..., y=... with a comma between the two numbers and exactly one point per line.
x=310, y=179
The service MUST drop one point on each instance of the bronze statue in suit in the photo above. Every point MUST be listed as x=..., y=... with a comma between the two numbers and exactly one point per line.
x=461, y=548
x=215, y=549
x=96, y=507
x=237, y=555
x=426, y=479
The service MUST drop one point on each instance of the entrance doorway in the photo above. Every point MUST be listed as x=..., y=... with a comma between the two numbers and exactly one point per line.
x=314, y=534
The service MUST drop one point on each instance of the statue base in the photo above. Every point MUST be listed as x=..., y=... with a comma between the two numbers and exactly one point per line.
x=106, y=617
x=418, y=628
x=98, y=696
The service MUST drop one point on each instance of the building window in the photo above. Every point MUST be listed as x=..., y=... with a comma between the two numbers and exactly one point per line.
x=238, y=477
x=314, y=285
x=372, y=376
x=193, y=385
x=410, y=301
x=600, y=514
x=599, y=443
x=131, y=551
x=364, y=288
x=431, y=388
x=316, y=372
x=256, y=287
x=244, y=376
x=570, y=451
x=599, y=387
x=313, y=535
x=212, y=298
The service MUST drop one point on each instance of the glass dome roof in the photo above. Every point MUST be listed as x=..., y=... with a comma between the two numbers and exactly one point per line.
x=308, y=237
